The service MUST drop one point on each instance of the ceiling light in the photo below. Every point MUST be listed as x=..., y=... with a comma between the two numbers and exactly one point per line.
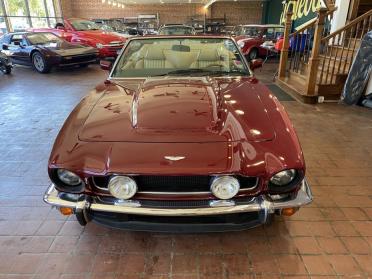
x=210, y=2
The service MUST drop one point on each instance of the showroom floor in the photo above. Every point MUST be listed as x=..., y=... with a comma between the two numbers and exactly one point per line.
x=332, y=236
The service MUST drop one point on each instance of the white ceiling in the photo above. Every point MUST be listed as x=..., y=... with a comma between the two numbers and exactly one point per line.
x=128, y=2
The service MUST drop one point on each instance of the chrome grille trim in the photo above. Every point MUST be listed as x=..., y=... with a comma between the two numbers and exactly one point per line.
x=104, y=189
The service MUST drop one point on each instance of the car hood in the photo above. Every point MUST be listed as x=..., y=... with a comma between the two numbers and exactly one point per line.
x=179, y=110
x=102, y=36
x=65, y=49
x=243, y=38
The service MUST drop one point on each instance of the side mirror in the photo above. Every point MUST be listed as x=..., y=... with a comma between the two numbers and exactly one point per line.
x=22, y=44
x=5, y=47
x=255, y=64
x=105, y=65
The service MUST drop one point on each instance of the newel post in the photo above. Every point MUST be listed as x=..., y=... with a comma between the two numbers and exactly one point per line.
x=314, y=58
x=285, y=48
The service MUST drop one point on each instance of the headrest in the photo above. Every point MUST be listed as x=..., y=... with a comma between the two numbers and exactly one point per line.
x=208, y=54
x=181, y=59
x=155, y=53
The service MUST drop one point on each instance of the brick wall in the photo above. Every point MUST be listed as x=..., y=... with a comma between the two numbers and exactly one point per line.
x=236, y=12
x=244, y=12
x=66, y=6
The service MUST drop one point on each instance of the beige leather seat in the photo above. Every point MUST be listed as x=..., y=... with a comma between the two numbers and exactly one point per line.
x=162, y=56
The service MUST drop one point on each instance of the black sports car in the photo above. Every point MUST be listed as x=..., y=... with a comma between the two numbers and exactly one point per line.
x=44, y=50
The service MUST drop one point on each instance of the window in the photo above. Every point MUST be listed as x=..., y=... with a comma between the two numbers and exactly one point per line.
x=15, y=7
x=24, y=14
x=43, y=38
x=16, y=40
x=37, y=8
x=270, y=33
x=2, y=26
x=38, y=22
x=19, y=23
x=180, y=56
x=50, y=8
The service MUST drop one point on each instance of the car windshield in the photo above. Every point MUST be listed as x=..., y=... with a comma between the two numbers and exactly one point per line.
x=251, y=31
x=84, y=25
x=107, y=28
x=180, y=56
x=43, y=38
x=176, y=30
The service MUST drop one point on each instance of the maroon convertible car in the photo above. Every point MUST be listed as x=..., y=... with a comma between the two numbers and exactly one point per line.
x=181, y=137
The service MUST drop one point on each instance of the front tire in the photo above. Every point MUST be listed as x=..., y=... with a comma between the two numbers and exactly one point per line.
x=80, y=217
x=39, y=63
x=6, y=69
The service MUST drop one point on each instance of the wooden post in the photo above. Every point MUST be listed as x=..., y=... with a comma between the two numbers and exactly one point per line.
x=314, y=58
x=284, y=51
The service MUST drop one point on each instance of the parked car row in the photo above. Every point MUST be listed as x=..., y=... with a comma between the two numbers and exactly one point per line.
x=74, y=42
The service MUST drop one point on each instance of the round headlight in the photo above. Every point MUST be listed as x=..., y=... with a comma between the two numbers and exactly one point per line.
x=68, y=177
x=225, y=187
x=122, y=187
x=283, y=178
x=99, y=45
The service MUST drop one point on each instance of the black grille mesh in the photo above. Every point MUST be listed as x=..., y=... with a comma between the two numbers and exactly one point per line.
x=176, y=184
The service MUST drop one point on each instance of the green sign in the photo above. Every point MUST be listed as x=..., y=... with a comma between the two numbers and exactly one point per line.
x=303, y=11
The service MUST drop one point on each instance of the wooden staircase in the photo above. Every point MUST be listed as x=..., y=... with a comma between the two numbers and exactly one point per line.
x=315, y=62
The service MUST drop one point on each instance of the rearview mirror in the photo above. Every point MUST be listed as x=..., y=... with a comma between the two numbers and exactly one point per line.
x=105, y=65
x=255, y=64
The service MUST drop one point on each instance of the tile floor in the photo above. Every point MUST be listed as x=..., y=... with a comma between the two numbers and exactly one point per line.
x=331, y=238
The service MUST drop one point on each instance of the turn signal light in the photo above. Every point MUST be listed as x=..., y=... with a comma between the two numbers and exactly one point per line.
x=289, y=211
x=66, y=210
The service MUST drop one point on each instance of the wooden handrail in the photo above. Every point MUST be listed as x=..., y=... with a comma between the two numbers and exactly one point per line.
x=349, y=25
x=303, y=27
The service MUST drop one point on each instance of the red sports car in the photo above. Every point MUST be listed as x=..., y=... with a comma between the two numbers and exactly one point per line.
x=181, y=137
x=251, y=37
x=86, y=32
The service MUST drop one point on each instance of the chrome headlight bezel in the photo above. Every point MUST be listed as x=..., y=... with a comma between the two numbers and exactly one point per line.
x=225, y=187
x=60, y=178
x=68, y=177
x=126, y=183
x=285, y=181
x=283, y=177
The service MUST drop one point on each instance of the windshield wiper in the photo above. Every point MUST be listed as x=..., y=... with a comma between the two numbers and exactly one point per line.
x=202, y=71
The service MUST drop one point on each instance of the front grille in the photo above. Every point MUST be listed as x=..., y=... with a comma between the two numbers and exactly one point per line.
x=119, y=219
x=172, y=203
x=78, y=59
x=175, y=184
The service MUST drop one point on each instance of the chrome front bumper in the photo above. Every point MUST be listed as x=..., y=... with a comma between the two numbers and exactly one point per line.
x=257, y=204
